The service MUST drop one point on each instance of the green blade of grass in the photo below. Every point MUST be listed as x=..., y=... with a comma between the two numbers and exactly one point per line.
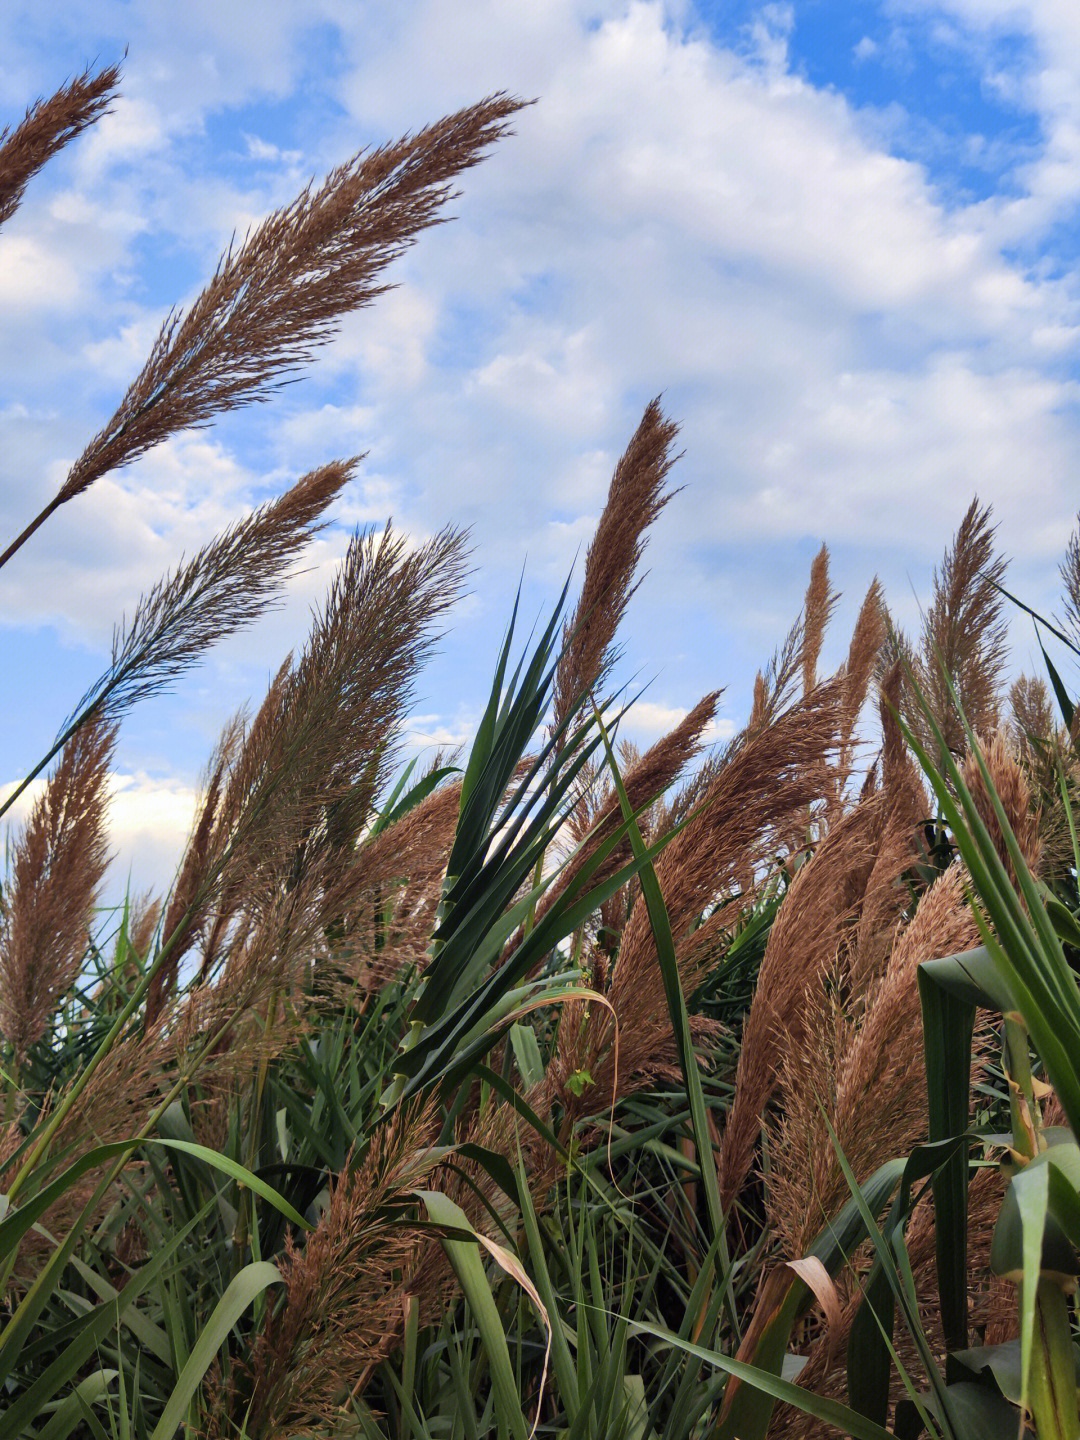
x=469, y=1269
x=241, y=1294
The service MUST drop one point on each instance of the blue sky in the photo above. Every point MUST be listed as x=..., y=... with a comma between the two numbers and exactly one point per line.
x=840, y=237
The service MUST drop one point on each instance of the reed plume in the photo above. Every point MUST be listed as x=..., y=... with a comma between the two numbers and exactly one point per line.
x=145, y=914
x=48, y=126
x=1032, y=718
x=885, y=1059
x=804, y=943
x=818, y=606
x=305, y=778
x=863, y=655
x=636, y=496
x=645, y=780
x=57, y=864
x=866, y=1072
x=775, y=686
x=1070, y=580
x=227, y=585
x=191, y=894
x=1014, y=792
x=964, y=634
x=746, y=797
x=388, y=898
x=281, y=294
x=345, y=1289
x=1049, y=762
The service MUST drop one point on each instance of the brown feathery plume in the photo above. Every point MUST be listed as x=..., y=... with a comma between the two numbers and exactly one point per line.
x=653, y=773
x=227, y=585
x=774, y=687
x=818, y=606
x=901, y=779
x=882, y=1060
x=145, y=914
x=884, y=904
x=344, y=1291
x=192, y=892
x=1013, y=791
x=58, y=862
x=964, y=633
x=128, y=1084
x=283, y=293
x=759, y=707
x=1047, y=759
x=304, y=781
x=245, y=739
x=866, y=641
x=895, y=759
x=803, y=943
x=635, y=498
x=400, y=871
x=751, y=787
x=49, y=125
x=748, y=796
x=1070, y=579
x=1032, y=715
x=993, y=1304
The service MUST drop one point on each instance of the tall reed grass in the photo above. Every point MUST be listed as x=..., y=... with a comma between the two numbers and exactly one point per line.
x=561, y=1088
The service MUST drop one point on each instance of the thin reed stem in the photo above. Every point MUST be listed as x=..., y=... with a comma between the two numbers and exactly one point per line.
x=35, y=524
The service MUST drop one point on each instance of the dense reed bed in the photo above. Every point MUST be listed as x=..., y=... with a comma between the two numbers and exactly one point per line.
x=556, y=1088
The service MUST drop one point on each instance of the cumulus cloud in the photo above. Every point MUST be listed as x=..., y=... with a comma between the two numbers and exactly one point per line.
x=1042, y=75
x=649, y=719
x=149, y=819
x=851, y=351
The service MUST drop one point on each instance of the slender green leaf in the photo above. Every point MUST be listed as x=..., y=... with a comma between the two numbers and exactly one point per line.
x=251, y=1282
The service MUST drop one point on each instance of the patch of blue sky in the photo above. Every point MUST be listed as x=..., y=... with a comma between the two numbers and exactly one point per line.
x=468, y=328
x=1056, y=253
x=928, y=91
x=53, y=674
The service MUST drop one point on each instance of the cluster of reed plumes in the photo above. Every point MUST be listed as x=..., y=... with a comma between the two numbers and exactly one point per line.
x=492, y=1097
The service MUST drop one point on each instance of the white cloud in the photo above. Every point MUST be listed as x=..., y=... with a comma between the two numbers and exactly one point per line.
x=30, y=277
x=268, y=152
x=390, y=341
x=433, y=732
x=852, y=355
x=131, y=130
x=148, y=821
x=1043, y=78
x=650, y=719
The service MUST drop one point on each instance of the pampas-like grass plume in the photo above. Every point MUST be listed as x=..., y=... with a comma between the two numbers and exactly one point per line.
x=57, y=864
x=803, y=943
x=227, y=585
x=1070, y=579
x=345, y=1289
x=282, y=293
x=48, y=126
x=818, y=606
x=301, y=787
x=636, y=497
x=964, y=633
